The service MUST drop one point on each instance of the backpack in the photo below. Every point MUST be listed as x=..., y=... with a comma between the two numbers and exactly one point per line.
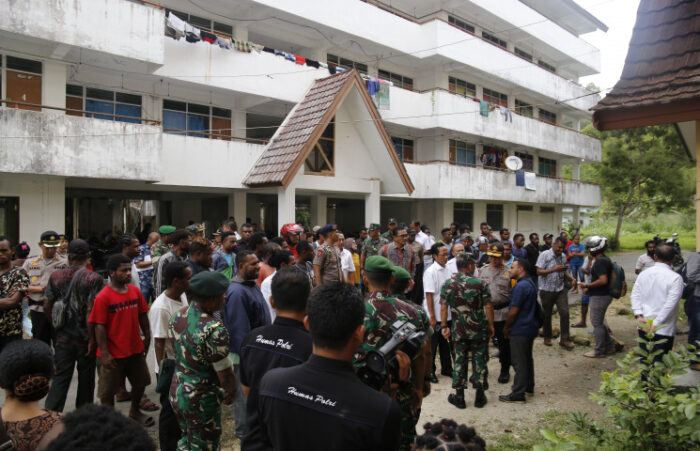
x=617, y=286
x=59, y=311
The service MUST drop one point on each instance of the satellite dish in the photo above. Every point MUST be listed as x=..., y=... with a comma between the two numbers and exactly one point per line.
x=514, y=163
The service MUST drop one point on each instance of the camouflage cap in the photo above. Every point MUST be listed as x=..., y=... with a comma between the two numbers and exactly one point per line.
x=401, y=274
x=195, y=228
x=374, y=226
x=377, y=263
x=208, y=284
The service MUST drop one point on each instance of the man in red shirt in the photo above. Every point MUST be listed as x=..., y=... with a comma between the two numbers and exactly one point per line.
x=119, y=315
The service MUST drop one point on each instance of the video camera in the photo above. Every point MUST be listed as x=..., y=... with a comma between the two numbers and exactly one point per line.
x=381, y=363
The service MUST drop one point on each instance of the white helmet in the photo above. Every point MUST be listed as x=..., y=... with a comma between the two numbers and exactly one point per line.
x=596, y=243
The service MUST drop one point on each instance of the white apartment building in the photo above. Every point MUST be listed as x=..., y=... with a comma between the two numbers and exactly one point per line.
x=108, y=122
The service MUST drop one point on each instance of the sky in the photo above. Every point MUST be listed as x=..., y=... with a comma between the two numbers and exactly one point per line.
x=619, y=16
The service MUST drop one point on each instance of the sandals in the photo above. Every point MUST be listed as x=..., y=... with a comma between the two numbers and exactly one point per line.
x=148, y=405
x=144, y=421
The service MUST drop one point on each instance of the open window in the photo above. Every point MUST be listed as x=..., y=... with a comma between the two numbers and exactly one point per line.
x=321, y=160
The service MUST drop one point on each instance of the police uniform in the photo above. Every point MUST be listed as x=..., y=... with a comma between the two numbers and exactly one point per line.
x=328, y=258
x=201, y=349
x=466, y=296
x=382, y=309
x=39, y=271
x=322, y=404
x=284, y=343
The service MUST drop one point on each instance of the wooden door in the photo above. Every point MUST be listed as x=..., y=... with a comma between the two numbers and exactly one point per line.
x=23, y=87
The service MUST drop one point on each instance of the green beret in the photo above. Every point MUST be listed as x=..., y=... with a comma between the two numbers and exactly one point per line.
x=166, y=229
x=208, y=284
x=377, y=263
x=401, y=274
x=374, y=226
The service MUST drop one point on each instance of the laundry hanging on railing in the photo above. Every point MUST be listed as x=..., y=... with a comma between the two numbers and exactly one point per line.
x=507, y=113
x=379, y=89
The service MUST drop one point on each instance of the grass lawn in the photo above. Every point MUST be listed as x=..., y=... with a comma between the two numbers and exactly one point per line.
x=635, y=241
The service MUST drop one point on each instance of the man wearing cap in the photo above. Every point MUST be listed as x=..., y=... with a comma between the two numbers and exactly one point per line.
x=76, y=286
x=381, y=311
x=197, y=232
x=391, y=224
x=547, y=245
x=161, y=247
x=497, y=276
x=469, y=301
x=372, y=244
x=327, y=259
x=483, y=246
x=399, y=253
x=203, y=369
x=39, y=270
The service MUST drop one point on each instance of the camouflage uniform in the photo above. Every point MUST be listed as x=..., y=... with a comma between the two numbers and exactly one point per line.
x=466, y=297
x=158, y=249
x=201, y=349
x=328, y=258
x=371, y=247
x=382, y=309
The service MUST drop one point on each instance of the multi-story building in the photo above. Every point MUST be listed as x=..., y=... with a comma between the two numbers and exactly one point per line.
x=110, y=122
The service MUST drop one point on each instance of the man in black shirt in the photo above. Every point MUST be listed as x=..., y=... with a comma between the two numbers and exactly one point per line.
x=322, y=404
x=282, y=344
x=599, y=296
x=533, y=251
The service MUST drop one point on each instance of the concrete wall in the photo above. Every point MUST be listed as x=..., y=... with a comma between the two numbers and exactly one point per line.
x=118, y=27
x=41, y=204
x=56, y=144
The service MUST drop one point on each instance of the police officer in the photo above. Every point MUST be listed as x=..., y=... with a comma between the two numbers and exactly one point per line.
x=327, y=259
x=322, y=404
x=372, y=244
x=161, y=247
x=381, y=311
x=197, y=232
x=203, y=369
x=282, y=344
x=39, y=270
x=471, y=327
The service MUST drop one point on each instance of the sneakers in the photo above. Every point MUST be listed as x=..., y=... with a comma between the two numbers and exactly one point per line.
x=566, y=345
x=480, y=399
x=593, y=355
x=457, y=401
x=512, y=399
x=504, y=377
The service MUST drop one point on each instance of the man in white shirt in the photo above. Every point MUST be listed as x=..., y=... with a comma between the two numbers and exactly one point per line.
x=346, y=263
x=458, y=248
x=427, y=240
x=176, y=276
x=646, y=261
x=278, y=260
x=655, y=296
x=433, y=279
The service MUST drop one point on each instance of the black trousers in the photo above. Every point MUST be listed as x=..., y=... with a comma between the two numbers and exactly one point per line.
x=168, y=428
x=521, y=355
x=66, y=356
x=416, y=295
x=503, y=346
x=666, y=346
x=41, y=327
x=445, y=352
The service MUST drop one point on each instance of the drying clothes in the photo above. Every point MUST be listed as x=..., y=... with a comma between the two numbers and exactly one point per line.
x=279, y=52
x=484, y=108
x=384, y=96
x=340, y=69
x=224, y=43
x=331, y=69
x=530, y=181
x=241, y=46
x=208, y=37
x=290, y=57
x=312, y=63
x=177, y=26
x=268, y=50
x=372, y=87
x=299, y=59
x=192, y=37
x=257, y=47
x=519, y=178
x=506, y=113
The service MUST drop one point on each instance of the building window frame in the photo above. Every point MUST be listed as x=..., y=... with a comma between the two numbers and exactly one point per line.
x=463, y=213
x=524, y=108
x=461, y=87
x=528, y=161
x=495, y=97
x=405, y=148
x=547, y=167
x=547, y=116
x=523, y=54
x=461, y=24
x=319, y=162
x=399, y=81
x=494, y=216
x=194, y=113
x=95, y=100
x=545, y=65
x=462, y=153
x=345, y=63
x=203, y=23
x=494, y=39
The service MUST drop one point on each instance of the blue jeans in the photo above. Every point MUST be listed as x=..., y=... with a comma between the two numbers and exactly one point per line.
x=576, y=273
x=239, y=408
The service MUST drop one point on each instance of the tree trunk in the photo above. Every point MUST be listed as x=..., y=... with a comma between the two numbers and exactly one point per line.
x=620, y=217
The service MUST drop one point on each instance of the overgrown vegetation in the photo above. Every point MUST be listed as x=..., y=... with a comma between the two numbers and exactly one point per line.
x=639, y=228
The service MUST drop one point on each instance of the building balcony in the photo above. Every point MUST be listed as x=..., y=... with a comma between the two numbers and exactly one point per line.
x=445, y=110
x=120, y=28
x=447, y=181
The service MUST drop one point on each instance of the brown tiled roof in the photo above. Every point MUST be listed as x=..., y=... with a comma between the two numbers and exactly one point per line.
x=663, y=61
x=297, y=135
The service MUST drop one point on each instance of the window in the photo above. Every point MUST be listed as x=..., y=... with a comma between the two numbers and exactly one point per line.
x=203, y=23
x=494, y=157
x=494, y=39
x=528, y=161
x=544, y=65
x=463, y=213
x=193, y=119
x=398, y=80
x=523, y=108
x=321, y=159
x=495, y=97
x=523, y=54
x=9, y=218
x=462, y=153
x=547, y=167
x=524, y=207
x=462, y=87
x=108, y=103
x=494, y=216
x=460, y=24
x=546, y=209
x=23, y=83
x=548, y=116
x=335, y=60
x=404, y=148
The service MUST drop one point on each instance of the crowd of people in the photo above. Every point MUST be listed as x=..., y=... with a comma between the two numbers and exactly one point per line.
x=280, y=329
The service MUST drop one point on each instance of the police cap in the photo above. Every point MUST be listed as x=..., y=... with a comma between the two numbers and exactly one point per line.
x=50, y=239
x=326, y=229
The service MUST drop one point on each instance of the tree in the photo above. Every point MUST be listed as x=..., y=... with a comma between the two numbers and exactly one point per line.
x=641, y=167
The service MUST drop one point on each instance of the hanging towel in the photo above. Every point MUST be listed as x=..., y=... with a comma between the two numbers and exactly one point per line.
x=177, y=26
x=299, y=59
x=372, y=87
x=208, y=37
x=384, y=96
x=257, y=47
x=331, y=69
x=312, y=63
x=268, y=50
x=530, y=181
x=484, y=108
x=279, y=52
x=519, y=178
x=340, y=69
x=289, y=56
x=241, y=46
x=224, y=43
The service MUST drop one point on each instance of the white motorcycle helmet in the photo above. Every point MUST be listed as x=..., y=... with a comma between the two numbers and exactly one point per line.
x=596, y=243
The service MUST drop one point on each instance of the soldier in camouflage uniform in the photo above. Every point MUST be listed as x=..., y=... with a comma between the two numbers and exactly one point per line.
x=327, y=267
x=372, y=244
x=161, y=246
x=391, y=224
x=382, y=309
x=203, y=369
x=472, y=325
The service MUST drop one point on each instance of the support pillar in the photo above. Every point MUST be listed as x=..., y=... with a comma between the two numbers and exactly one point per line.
x=697, y=186
x=576, y=171
x=373, y=204
x=237, y=205
x=286, y=206
x=577, y=217
x=319, y=210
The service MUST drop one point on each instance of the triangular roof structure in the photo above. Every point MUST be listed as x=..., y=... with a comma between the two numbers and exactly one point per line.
x=301, y=130
x=660, y=82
